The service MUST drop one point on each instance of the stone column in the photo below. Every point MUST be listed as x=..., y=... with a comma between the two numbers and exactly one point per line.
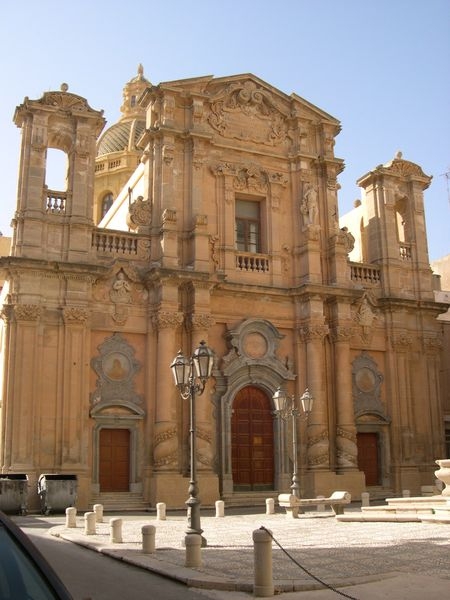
x=200, y=324
x=317, y=432
x=165, y=443
x=433, y=347
x=75, y=388
x=20, y=417
x=345, y=418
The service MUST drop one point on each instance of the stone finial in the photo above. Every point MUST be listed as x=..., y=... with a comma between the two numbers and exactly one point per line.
x=64, y=87
x=399, y=155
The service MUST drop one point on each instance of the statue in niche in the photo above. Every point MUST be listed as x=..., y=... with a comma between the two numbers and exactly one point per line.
x=121, y=290
x=309, y=206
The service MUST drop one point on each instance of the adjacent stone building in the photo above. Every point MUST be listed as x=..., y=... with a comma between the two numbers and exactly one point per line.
x=210, y=212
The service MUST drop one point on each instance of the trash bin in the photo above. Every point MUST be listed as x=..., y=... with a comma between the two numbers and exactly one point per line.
x=14, y=493
x=57, y=492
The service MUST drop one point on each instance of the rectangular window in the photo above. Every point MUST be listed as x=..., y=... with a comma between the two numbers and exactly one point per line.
x=248, y=226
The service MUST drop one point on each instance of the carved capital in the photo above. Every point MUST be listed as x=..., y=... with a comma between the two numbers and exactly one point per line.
x=432, y=345
x=27, y=312
x=200, y=321
x=310, y=333
x=75, y=314
x=401, y=342
x=341, y=333
x=167, y=320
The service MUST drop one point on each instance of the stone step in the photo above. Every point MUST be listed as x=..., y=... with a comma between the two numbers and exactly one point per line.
x=249, y=499
x=121, y=501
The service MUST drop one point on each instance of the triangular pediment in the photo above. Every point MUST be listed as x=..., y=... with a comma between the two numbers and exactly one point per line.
x=243, y=109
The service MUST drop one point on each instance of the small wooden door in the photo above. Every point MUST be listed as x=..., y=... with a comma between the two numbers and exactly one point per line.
x=114, y=460
x=368, y=461
x=252, y=451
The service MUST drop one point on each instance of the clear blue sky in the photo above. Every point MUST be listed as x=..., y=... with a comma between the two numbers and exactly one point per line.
x=379, y=66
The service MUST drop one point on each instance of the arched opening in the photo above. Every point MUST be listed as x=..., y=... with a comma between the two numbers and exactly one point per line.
x=56, y=173
x=106, y=204
x=252, y=441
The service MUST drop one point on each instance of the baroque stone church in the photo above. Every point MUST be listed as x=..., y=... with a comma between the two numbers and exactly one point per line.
x=209, y=211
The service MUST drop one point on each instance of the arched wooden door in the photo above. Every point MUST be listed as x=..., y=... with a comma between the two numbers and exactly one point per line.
x=252, y=448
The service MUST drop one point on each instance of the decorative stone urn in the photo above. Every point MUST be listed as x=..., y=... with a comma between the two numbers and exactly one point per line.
x=443, y=474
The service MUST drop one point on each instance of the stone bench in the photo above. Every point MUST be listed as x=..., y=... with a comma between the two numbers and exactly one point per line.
x=294, y=505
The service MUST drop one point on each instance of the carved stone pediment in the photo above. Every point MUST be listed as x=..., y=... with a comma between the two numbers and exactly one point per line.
x=246, y=110
x=253, y=343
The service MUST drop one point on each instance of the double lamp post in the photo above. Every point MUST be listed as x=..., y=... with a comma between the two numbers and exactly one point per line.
x=287, y=407
x=190, y=375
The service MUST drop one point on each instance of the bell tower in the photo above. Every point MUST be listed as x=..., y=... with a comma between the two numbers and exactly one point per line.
x=52, y=224
x=395, y=227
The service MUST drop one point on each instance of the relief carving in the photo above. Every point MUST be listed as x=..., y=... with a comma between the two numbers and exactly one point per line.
x=165, y=448
x=139, y=213
x=250, y=100
x=75, y=314
x=165, y=320
x=116, y=369
x=366, y=386
x=27, y=312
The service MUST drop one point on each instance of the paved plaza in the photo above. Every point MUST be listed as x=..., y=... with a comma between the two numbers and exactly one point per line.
x=343, y=555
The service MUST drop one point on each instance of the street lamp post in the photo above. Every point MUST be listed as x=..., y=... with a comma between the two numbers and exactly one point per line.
x=185, y=372
x=285, y=407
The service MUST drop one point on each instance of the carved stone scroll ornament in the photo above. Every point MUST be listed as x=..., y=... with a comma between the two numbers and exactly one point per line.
x=246, y=98
x=139, y=213
x=318, y=449
x=165, y=448
x=347, y=452
x=204, y=447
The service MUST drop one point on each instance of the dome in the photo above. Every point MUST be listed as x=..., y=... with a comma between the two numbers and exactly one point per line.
x=120, y=136
x=124, y=134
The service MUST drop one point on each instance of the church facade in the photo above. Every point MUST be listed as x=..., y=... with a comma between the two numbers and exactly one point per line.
x=210, y=212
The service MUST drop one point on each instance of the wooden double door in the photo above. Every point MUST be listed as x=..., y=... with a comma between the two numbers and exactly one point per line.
x=252, y=445
x=114, y=460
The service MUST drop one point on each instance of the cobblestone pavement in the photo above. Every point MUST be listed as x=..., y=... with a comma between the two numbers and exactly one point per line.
x=337, y=553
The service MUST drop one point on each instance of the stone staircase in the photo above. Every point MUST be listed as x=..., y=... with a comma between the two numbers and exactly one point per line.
x=248, y=499
x=121, y=501
x=409, y=509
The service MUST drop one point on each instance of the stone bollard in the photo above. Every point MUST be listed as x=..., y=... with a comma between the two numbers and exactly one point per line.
x=161, y=511
x=262, y=554
x=220, y=508
x=71, y=516
x=270, y=506
x=148, y=539
x=365, y=499
x=320, y=507
x=115, y=531
x=89, y=523
x=406, y=493
x=193, y=543
x=98, y=509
